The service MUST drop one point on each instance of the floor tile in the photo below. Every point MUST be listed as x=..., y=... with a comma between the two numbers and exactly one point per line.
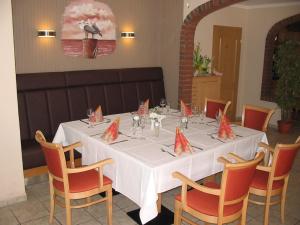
x=41, y=221
x=7, y=217
x=29, y=210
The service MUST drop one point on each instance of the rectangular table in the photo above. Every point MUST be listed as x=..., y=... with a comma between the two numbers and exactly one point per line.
x=141, y=170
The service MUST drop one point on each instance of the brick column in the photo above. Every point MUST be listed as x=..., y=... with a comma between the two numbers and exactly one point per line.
x=187, y=44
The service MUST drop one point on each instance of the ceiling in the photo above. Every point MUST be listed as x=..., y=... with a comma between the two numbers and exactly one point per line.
x=257, y=3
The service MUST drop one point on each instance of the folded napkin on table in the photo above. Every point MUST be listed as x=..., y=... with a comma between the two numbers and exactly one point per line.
x=98, y=114
x=143, y=108
x=225, y=130
x=181, y=143
x=112, y=132
x=185, y=110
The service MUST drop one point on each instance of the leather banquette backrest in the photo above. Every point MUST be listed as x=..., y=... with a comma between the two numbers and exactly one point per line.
x=47, y=99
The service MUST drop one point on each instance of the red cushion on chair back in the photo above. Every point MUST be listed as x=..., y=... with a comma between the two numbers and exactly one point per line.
x=212, y=108
x=254, y=119
x=53, y=161
x=284, y=161
x=238, y=182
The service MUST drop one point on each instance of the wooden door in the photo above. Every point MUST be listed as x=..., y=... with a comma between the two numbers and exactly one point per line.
x=226, y=59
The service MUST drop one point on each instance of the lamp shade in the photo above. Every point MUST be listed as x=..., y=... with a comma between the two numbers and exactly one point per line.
x=128, y=34
x=46, y=33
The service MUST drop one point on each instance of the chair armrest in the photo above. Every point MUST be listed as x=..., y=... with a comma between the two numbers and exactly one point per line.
x=186, y=180
x=237, y=123
x=264, y=168
x=265, y=146
x=72, y=146
x=221, y=159
x=236, y=157
x=99, y=165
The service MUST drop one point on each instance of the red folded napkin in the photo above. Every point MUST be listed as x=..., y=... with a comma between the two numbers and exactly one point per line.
x=112, y=132
x=185, y=110
x=143, y=108
x=181, y=143
x=98, y=114
x=225, y=130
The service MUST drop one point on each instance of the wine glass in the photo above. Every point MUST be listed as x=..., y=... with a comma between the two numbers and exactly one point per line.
x=90, y=114
x=163, y=102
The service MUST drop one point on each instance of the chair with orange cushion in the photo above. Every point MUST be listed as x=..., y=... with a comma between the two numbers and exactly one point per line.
x=74, y=183
x=256, y=117
x=213, y=203
x=273, y=180
x=212, y=106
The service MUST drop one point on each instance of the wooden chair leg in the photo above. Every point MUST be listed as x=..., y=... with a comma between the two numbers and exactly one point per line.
x=68, y=212
x=177, y=213
x=52, y=201
x=267, y=209
x=109, y=206
x=244, y=211
x=282, y=205
x=158, y=203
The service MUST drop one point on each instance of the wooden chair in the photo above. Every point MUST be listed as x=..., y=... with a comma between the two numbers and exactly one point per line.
x=212, y=106
x=213, y=203
x=256, y=117
x=74, y=183
x=273, y=180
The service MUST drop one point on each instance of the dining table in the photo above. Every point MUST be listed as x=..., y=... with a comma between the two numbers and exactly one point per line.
x=144, y=159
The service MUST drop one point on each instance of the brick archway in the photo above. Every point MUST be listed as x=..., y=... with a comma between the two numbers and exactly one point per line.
x=267, y=82
x=187, y=43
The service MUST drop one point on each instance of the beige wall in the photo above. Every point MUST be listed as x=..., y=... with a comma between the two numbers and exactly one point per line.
x=156, y=24
x=255, y=25
x=36, y=55
x=11, y=172
x=171, y=21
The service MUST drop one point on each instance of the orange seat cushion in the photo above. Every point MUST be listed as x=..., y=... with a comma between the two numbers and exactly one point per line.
x=80, y=182
x=260, y=181
x=208, y=204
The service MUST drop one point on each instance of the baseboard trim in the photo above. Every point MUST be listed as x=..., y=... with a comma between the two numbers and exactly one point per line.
x=13, y=200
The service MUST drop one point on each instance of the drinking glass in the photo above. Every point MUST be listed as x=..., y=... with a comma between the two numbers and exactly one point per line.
x=218, y=117
x=163, y=102
x=90, y=114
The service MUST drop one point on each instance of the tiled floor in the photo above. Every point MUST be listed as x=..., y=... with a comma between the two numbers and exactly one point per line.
x=35, y=211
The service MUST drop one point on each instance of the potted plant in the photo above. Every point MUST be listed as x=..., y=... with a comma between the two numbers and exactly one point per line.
x=200, y=62
x=287, y=93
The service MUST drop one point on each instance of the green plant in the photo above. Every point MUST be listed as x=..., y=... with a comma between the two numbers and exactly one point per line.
x=287, y=65
x=200, y=62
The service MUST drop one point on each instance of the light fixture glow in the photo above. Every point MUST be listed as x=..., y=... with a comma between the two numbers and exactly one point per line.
x=128, y=35
x=46, y=33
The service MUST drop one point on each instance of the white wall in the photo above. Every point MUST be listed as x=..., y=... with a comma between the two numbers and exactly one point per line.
x=255, y=25
x=259, y=22
x=11, y=172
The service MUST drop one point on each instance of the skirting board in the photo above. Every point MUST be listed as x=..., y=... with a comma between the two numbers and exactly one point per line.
x=13, y=200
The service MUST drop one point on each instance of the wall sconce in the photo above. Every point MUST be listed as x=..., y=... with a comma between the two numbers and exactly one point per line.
x=127, y=35
x=46, y=33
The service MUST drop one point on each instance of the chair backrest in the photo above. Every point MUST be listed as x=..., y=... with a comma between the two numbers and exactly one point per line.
x=212, y=107
x=236, y=179
x=284, y=156
x=54, y=155
x=256, y=117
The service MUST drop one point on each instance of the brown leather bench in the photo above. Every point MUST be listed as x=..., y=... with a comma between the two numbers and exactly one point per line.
x=47, y=99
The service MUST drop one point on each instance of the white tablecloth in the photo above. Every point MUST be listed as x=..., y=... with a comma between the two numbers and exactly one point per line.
x=141, y=169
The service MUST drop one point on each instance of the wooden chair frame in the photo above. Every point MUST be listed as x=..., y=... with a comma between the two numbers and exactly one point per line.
x=260, y=109
x=226, y=103
x=271, y=170
x=67, y=195
x=220, y=219
x=269, y=193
